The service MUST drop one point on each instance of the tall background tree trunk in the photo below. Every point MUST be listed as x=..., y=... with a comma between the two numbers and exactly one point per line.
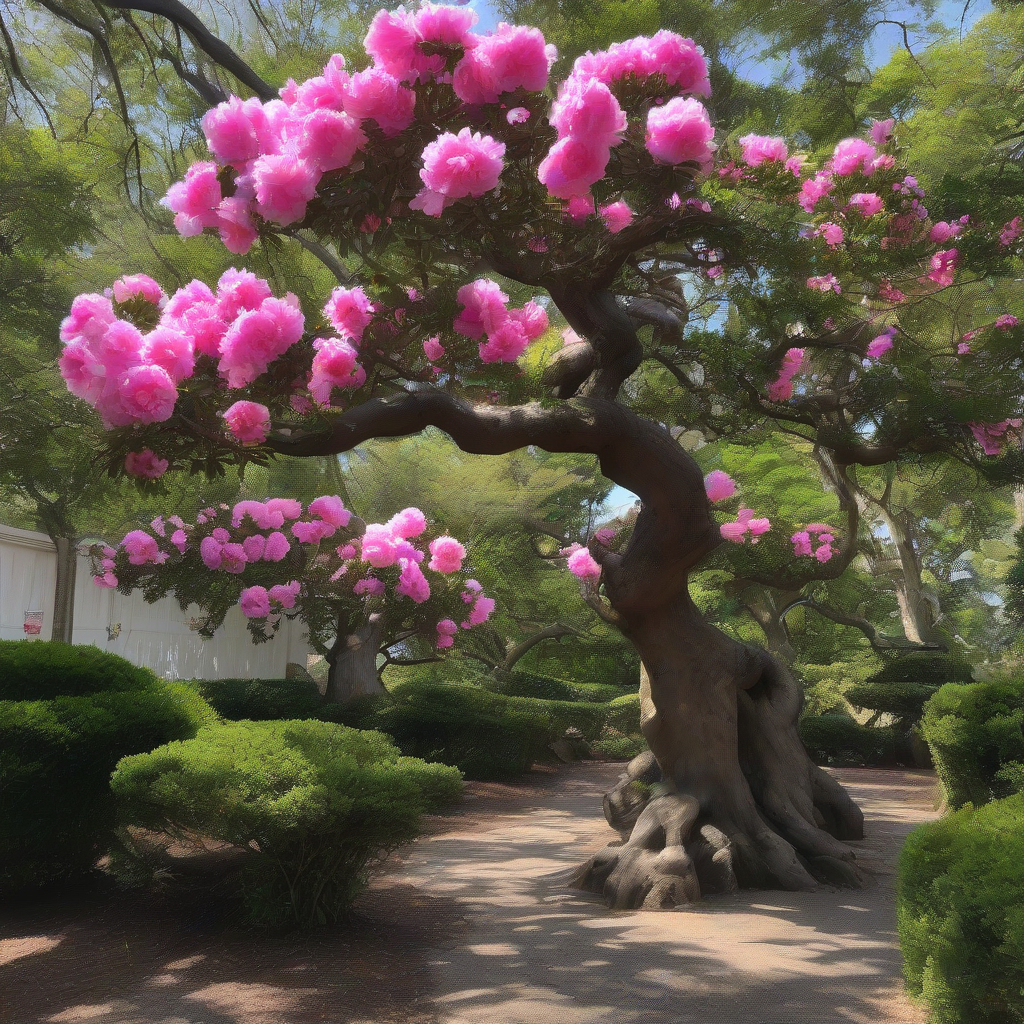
x=64, y=590
x=764, y=607
x=352, y=663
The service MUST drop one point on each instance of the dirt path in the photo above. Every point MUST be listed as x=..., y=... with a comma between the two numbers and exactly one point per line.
x=466, y=929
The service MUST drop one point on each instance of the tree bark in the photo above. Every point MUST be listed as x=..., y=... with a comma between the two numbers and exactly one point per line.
x=352, y=663
x=64, y=590
x=764, y=608
x=740, y=802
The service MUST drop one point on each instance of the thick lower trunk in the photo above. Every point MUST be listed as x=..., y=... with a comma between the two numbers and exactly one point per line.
x=740, y=802
x=64, y=590
x=352, y=663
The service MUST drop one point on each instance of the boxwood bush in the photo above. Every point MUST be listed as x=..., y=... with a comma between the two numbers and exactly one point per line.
x=57, y=751
x=316, y=804
x=976, y=739
x=261, y=700
x=960, y=911
x=624, y=714
x=841, y=740
x=531, y=684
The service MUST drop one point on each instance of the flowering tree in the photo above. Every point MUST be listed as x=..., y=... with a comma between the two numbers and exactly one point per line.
x=445, y=161
x=358, y=587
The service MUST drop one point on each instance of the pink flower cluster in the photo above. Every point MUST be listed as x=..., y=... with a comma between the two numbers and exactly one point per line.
x=681, y=132
x=877, y=347
x=825, y=283
x=992, y=436
x=581, y=562
x=1011, y=231
x=446, y=630
x=259, y=602
x=745, y=524
x=758, y=149
x=781, y=389
x=943, y=267
x=485, y=312
x=815, y=533
x=145, y=465
x=457, y=166
x=680, y=60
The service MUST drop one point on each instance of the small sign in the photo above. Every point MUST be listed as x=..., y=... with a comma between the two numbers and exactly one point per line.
x=33, y=623
x=113, y=632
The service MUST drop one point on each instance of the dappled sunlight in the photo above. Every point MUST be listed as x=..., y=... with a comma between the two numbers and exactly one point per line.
x=15, y=949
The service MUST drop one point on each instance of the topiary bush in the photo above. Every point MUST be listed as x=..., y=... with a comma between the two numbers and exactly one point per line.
x=316, y=804
x=960, y=912
x=931, y=669
x=624, y=714
x=618, y=747
x=57, y=753
x=530, y=684
x=261, y=700
x=902, y=700
x=840, y=740
x=975, y=734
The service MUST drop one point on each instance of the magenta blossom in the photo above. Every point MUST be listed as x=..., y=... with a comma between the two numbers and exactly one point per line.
x=719, y=485
x=679, y=132
x=145, y=465
x=757, y=149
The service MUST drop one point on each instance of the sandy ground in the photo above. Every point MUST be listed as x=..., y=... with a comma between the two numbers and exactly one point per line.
x=467, y=927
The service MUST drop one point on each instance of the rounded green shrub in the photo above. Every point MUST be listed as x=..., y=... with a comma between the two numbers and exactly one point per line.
x=40, y=670
x=56, y=756
x=531, y=684
x=932, y=669
x=316, y=804
x=960, y=912
x=839, y=739
x=261, y=700
x=624, y=714
x=619, y=748
x=974, y=730
x=901, y=699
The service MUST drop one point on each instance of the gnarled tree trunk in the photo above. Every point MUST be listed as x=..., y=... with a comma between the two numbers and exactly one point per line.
x=352, y=663
x=764, y=607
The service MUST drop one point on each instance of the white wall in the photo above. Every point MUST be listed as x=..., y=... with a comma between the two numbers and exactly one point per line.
x=154, y=635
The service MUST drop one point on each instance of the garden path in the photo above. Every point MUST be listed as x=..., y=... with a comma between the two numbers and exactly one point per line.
x=466, y=929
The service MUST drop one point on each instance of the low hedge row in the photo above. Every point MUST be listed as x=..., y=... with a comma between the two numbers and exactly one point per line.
x=977, y=741
x=960, y=912
x=314, y=804
x=261, y=700
x=531, y=684
x=57, y=751
x=841, y=740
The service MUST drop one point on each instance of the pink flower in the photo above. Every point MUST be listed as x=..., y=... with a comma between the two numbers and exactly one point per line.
x=378, y=546
x=194, y=200
x=467, y=164
x=393, y=43
x=532, y=318
x=370, y=585
x=572, y=165
x=758, y=526
x=235, y=226
x=801, y=543
x=505, y=344
x=581, y=563
x=579, y=208
x=171, y=350
x=943, y=266
x=942, y=231
x=88, y=320
x=142, y=549
x=733, y=532
x=814, y=190
x=330, y=139
x=376, y=95
x=881, y=130
x=412, y=583
x=285, y=594
x=254, y=547
x=867, y=203
x=824, y=283
x=963, y=348
x=257, y=338
x=312, y=533
x=832, y=233
x=333, y=366
x=992, y=435
x=83, y=372
x=108, y=579
x=447, y=555
x=680, y=60
x=145, y=465
x=680, y=131
x=233, y=130
x=587, y=110
x=719, y=485
x=616, y=216
x=510, y=58
x=233, y=558
x=254, y=602
x=433, y=349
x=120, y=347
x=880, y=345
x=138, y=286
x=887, y=293
x=1006, y=322
x=518, y=115
x=851, y=155
x=237, y=291
x=481, y=611
x=147, y=394
x=1011, y=231
x=284, y=185
x=349, y=312
x=249, y=422
x=330, y=509
x=410, y=522
x=484, y=308
x=276, y=548
x=759, y=148
x=781, y=389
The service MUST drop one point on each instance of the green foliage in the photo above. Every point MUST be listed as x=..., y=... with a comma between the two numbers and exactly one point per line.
x=923, y=668
x=319, y=802
x=824, y=697
x=43, y=670
x=960, y=913
x=261, y=700
x=487, y=735
x=624, y=714
x=57, y=752
x=839, y=739
x=974, y=731
x=904, y=700
x=532, y=684
x=619, y=748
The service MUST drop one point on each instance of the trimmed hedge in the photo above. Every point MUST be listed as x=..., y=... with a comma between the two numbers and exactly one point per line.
x=531, y=684
x=487, y=735
x=930, y=669
x=839, y=739
x=624, y=714
x=57, y=753
x=976, y=738
x=960, y=913
x=315, y=803
x=903, y=700
x=261, y=700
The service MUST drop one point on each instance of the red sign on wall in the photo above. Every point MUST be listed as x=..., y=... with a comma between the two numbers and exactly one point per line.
x=33, y=623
